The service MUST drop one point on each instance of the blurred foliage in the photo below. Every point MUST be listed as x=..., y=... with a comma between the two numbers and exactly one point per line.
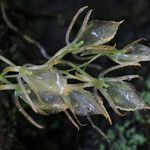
x=124, y=137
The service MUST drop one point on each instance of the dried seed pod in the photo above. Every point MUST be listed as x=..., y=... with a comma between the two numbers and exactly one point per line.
x=85, y=103
x=98, y=32
x=123, y=96
x=46, y=89
x=82, y=103
x=46, y=80
x=134, y=53
x=51, y=102
x=140, y=51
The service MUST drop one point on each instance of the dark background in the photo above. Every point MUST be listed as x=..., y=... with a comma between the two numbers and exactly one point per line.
x=46, y=21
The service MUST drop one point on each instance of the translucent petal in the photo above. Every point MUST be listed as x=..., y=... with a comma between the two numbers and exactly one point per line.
x=135, y=53
x=51, y=102
x=124, y=58
x=99, y=32
x=46, y=80
x=142, y=52
x=123, y=95
x=84, y=103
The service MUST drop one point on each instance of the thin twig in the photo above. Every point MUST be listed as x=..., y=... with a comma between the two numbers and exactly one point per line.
x=24, y=36
x=117, y=67
x=72, y=23
x=99, y=131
